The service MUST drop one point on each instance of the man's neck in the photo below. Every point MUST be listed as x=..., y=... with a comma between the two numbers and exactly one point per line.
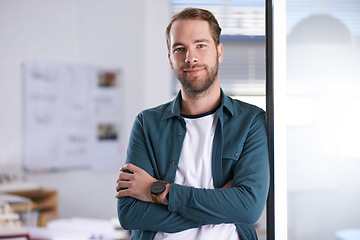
x=201, y=103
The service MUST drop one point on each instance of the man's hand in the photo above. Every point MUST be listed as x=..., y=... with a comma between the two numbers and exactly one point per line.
x=227, y=185
x=135, y=184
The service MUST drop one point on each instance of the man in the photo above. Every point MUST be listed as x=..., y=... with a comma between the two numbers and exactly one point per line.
x=197, y=167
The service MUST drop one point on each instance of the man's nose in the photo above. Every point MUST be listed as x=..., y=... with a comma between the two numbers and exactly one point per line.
x=190, y=57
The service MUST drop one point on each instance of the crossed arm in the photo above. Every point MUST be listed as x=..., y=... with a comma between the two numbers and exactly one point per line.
x=238, y=201
x=133, y=193
x=137, y=184
x=207, y=206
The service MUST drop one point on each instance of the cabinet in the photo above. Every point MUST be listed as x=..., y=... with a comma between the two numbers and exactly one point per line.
x=43, y=204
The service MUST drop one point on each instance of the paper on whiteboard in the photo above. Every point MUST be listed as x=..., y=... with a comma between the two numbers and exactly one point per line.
x=62, y=112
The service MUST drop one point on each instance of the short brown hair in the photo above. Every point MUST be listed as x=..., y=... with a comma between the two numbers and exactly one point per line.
x=196, y=13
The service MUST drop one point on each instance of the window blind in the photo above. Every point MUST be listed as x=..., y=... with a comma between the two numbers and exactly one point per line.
x=347, y=11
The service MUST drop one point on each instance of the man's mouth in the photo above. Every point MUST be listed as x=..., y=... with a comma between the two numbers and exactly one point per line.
x=194, y=71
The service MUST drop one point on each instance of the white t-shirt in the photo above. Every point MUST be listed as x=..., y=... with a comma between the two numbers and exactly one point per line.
x=195, y=169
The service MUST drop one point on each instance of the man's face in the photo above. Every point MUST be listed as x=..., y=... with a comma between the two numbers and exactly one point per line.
x=193, y=55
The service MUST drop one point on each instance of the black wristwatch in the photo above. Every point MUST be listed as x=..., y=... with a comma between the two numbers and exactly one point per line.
x=156, y=189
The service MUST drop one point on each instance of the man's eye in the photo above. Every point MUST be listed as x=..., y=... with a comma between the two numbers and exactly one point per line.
x=201, y=45
x=178, y=49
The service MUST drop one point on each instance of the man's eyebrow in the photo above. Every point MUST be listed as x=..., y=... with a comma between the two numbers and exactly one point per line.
x=201, y=40
x=177, y=44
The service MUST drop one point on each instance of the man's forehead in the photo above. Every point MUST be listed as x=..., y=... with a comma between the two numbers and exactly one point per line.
x=190, y=30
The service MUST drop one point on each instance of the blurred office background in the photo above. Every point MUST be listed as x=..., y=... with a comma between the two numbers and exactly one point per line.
x=322, y=92
x=322, y=102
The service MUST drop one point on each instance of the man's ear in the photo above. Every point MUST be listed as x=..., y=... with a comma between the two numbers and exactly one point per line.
x=170, y=61
x=220, y=49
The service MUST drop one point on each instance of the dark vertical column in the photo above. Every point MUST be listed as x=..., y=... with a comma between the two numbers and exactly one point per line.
x=270, y=213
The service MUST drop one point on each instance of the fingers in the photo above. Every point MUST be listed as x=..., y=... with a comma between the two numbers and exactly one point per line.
x=130, y=167
x=123, y=193
x=134, y=182
x=125, y=177
x=122, y=185
x=123, y=180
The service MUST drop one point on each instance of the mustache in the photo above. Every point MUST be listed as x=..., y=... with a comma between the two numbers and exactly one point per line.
x=189, y=67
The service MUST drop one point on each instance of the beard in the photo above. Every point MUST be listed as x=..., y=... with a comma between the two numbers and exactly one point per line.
x=195, y=85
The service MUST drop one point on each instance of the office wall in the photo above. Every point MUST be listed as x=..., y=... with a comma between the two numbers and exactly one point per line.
x=122, y=34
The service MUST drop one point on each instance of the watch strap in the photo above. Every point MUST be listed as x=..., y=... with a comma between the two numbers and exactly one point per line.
x=155, y=199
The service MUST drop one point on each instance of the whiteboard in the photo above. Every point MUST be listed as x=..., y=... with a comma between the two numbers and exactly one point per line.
x=72, y=115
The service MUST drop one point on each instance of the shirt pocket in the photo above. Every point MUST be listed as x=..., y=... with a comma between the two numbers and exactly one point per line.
x=231, y=155
x=232, y=152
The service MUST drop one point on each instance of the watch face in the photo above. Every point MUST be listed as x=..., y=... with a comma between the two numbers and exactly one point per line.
x=158, y=187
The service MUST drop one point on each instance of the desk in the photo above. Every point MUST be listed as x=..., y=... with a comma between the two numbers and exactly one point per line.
x=80, y=229
x=44, y=202
x=20, y=233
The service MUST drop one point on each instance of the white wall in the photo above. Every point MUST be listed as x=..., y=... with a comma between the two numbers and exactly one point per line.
x=108, y=33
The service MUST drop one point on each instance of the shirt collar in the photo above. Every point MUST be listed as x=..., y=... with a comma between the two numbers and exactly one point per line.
x=173, y=108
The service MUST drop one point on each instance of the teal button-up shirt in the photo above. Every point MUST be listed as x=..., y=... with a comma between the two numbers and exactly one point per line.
x=240, y=154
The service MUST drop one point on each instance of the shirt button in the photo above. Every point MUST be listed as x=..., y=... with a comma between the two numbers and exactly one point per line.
x=180, y=134
x=236, y=155
x=173, y=162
